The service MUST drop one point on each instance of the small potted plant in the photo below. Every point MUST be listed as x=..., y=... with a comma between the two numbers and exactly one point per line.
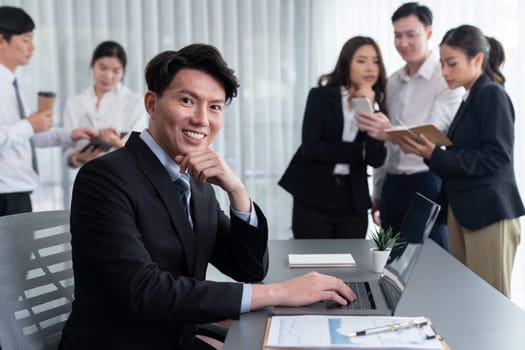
x=384, y=241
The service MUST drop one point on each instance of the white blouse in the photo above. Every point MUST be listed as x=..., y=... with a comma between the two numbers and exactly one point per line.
x=120, y=108
x=349, y=130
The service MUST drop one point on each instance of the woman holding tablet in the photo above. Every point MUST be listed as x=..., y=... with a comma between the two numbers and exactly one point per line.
x=107, y=105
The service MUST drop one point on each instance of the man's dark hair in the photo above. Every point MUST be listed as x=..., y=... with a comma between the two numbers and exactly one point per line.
x=14, y=21
x=422, y=12
x=161, y=70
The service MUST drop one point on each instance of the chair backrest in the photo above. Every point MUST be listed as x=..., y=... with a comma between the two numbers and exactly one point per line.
x=36, y=279
x=419, y=219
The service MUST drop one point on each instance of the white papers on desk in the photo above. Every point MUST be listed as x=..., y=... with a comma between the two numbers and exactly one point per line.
x=332, y=332
x=321, y=260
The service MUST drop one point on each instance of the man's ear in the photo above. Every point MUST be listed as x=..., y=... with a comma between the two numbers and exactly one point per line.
x=150, y=103
x=429, y=32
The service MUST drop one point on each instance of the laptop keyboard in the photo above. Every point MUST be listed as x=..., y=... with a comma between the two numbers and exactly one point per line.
x=364, y=301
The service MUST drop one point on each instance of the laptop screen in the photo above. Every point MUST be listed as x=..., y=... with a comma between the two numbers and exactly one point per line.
x=415, y=229
x=402, y=266
x=397, y=273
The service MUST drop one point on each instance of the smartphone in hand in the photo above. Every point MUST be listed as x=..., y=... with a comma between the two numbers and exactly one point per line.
x=361, y=105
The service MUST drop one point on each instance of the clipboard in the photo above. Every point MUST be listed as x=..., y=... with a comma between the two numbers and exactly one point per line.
x=269, y=321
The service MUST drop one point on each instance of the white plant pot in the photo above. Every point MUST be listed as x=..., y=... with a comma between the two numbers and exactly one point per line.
x=379, y=259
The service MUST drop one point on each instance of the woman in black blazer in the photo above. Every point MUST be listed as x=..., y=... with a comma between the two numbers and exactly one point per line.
x=328, y=174
x=479, y=184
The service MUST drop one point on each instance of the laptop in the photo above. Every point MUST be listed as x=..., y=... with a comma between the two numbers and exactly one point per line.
x=381, y=296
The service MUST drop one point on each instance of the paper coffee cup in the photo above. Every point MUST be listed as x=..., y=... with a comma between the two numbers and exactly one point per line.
x=46, y=101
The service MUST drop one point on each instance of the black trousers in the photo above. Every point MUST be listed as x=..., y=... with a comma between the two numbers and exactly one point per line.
x=337, y=219
x=15, y=203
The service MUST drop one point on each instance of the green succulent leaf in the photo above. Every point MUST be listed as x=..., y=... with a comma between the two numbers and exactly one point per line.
x=386, y=239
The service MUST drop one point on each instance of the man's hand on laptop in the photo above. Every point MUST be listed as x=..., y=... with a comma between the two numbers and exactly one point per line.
x=303, y=290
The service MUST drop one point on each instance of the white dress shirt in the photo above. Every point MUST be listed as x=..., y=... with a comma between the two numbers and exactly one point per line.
x=349, y=130
x=119, y=108
x=16, y=169
x=423, y=98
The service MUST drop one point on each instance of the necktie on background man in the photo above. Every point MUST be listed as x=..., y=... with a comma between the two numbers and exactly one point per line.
x=183, y=187
x=22, y=116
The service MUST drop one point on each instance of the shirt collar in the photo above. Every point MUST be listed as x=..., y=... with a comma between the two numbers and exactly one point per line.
x=6, y=74
x=169, y=164
x=465, y=95
x=425, y=71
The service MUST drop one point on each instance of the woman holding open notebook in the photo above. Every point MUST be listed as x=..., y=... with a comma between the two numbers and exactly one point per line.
x=328, y=175
x=479, y=186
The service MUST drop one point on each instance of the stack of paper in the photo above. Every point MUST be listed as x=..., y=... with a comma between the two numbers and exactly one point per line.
x=321, y=260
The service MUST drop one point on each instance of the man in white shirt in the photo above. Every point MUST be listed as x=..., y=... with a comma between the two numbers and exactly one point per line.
x=416, y=94
x=21, y=132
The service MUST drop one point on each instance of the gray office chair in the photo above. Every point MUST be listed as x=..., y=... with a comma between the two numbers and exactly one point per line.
x=36, y=279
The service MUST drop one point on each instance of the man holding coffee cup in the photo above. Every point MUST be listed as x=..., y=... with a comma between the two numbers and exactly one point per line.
x=46, y=101
x=20, y=132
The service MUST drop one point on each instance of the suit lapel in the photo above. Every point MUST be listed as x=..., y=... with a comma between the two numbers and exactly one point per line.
x=457, y=119
x=166, y=190
x=463, y=107
x=336, y=105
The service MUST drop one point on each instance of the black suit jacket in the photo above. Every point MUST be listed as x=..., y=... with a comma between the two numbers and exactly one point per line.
x=309, y=176
x=477, y=170
x=139, y=266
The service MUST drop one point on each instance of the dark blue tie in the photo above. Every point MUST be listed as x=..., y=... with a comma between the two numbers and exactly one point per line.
x=22, y=116
x=183, y=187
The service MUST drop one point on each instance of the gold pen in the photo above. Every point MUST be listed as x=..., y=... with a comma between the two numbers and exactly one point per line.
x=390, y=328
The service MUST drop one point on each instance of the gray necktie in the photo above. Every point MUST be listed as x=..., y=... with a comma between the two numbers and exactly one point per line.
x=22, y=116
x=183, y=187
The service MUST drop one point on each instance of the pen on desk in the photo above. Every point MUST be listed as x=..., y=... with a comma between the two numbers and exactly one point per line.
x=390, y=328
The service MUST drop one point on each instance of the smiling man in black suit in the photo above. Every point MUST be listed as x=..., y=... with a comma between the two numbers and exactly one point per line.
x=145, y=223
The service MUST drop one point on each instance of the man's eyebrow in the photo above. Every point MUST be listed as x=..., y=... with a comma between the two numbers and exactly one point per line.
x=196, y=96
x=410, y=31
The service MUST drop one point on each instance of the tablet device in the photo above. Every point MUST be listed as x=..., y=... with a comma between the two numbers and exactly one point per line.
x=98, y=143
